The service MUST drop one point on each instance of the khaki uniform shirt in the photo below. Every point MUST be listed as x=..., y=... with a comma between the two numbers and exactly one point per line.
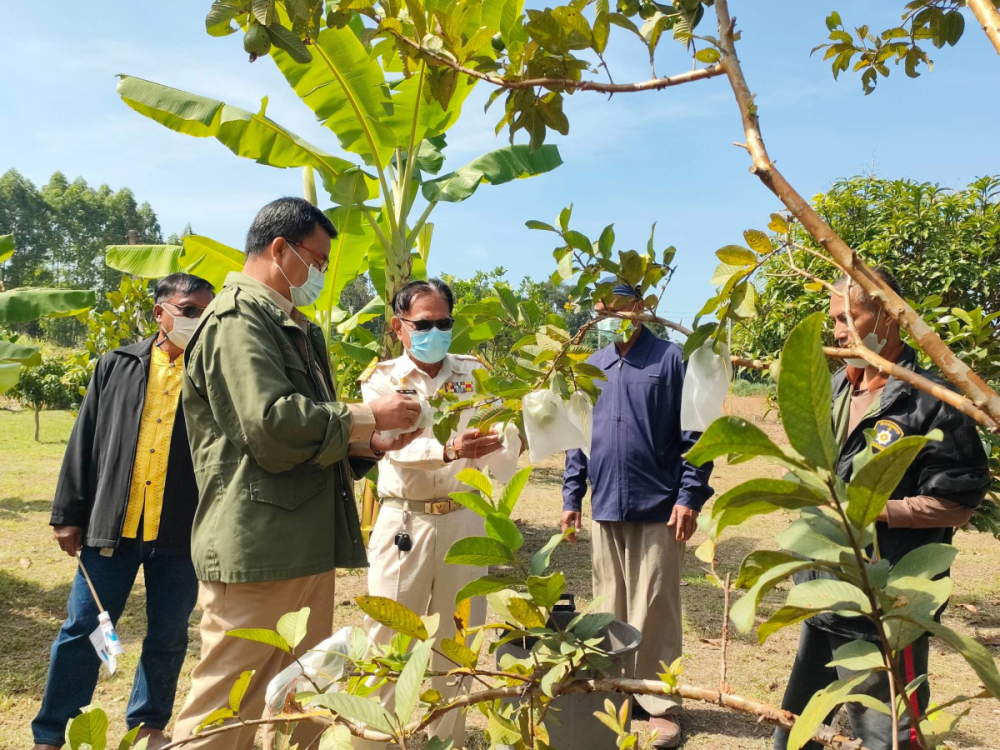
x=419, y=471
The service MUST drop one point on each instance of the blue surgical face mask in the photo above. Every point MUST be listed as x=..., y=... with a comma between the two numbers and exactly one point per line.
x=430, y=347
x=308, y=292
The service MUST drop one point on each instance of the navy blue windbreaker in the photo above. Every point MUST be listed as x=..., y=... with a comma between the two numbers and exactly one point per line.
x=635, y=466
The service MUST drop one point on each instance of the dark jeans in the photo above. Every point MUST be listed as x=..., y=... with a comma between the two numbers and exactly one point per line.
x=810, y=675
x=171, y=592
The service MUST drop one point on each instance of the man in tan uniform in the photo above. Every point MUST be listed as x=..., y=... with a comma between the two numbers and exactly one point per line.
x=418, y=522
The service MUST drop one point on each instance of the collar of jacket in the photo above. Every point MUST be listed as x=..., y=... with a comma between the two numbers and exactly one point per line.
x=261, y=294
x=141, y=350
x=635, y=356
x=893, y=387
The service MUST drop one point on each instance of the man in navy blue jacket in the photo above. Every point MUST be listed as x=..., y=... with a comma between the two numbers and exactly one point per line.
x=645, y=500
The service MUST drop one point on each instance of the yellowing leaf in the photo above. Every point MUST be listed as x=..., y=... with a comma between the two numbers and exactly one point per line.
x=758, y=241
x=393, y=615
x=778, y=224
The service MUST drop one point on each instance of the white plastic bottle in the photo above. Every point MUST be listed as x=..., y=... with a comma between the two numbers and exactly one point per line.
x=110, y=636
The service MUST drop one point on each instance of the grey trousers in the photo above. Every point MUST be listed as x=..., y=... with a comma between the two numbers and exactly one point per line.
x=810, y=675
x=638, y=567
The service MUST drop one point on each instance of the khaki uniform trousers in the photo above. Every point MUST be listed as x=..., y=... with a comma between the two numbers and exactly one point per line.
x=638, y=567
x=223, y=659
x=421, y=580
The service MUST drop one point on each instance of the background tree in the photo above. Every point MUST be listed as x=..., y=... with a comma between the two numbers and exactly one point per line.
x=62, y=231
x=25, y=214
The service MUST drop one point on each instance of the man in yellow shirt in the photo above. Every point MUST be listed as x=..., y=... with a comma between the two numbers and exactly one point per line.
x=126, y=498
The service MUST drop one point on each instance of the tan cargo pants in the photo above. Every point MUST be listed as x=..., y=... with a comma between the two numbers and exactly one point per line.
x=425, y=583
x=223, y=659
x=638, y=567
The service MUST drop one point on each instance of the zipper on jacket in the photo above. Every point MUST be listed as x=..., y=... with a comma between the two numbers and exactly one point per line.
x=618, y=435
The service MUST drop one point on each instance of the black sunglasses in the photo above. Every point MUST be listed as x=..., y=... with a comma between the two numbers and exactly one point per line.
x=188, y=311
x=442, y=324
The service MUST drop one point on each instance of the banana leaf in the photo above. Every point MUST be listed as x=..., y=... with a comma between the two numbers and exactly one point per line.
x=24, y=305
x=6, y=246
x=252, y=136
x=497, y=167
x=347, y=90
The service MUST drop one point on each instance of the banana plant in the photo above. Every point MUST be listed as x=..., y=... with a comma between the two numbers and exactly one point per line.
x=24, y=306
x=393, y=126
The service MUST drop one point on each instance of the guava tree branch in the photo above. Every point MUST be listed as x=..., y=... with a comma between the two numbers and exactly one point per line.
x=989, y=18
x=763, y=711
x=948, y=396
x=954, y=369
x=562, y=84
x=858, y=349
x=772, y=714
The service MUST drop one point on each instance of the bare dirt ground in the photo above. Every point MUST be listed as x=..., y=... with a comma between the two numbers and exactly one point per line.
x=35, y=578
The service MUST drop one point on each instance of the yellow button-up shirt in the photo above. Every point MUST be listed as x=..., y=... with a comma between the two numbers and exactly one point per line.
x=149, y=472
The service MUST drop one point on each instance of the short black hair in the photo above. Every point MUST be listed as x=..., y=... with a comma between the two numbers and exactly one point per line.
x=180, y=283
x=863, y=298
x=405, y=296
x=291, y=218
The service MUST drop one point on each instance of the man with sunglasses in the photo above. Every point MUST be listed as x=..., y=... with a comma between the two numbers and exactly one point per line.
x=126, y=498
x=418, y=521
x=276, y=456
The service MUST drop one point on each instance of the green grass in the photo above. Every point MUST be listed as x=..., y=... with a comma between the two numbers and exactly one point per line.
x=747, y=388
x=35, y=577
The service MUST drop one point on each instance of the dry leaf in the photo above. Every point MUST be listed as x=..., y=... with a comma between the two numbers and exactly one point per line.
x=25, y=563
x=712, y=642
x=971, y=607
x=991, y=641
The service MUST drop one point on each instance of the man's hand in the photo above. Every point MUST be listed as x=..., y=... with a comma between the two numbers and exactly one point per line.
x=685, y=520
x=395, y=412
x=474, y=444
x=570, y=519
x=383, y=444
x=70, y=538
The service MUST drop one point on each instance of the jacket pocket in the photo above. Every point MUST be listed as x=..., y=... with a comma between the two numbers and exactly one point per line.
x=288, y=490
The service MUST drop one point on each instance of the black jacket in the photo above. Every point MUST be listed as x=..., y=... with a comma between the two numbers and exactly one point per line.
x=94, y=483
x=954, y=468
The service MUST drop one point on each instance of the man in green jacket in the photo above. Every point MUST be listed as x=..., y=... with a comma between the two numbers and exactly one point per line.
x=274, y=456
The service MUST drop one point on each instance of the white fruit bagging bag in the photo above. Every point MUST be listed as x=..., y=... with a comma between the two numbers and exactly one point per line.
x=554, y=425
x=706, y=385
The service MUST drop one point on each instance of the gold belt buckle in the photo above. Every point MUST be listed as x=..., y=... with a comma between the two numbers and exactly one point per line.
x=438, y=507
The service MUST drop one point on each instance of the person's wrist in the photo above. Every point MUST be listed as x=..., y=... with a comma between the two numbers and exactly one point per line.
x=450, y=452
x=378, y=452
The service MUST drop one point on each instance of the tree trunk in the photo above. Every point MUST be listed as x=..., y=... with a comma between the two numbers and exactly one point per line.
x=38, y=410
x=989, y=18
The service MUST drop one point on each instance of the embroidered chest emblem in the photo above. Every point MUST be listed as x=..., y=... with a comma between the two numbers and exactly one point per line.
x=460, y=387
x=887, y=432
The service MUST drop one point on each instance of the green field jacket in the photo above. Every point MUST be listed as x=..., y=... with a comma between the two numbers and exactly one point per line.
x=269, y=444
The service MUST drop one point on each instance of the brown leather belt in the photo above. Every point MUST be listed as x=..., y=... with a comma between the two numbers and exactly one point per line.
x=426, y=507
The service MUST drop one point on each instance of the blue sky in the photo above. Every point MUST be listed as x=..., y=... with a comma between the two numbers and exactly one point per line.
x=639, y=158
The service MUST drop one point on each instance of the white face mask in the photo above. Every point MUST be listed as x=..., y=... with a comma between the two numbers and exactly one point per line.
x=871, y=342
x=183, y=329
x=308, y=292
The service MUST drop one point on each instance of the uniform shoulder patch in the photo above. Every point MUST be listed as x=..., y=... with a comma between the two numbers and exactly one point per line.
x=887, y=432
x=372, y=366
